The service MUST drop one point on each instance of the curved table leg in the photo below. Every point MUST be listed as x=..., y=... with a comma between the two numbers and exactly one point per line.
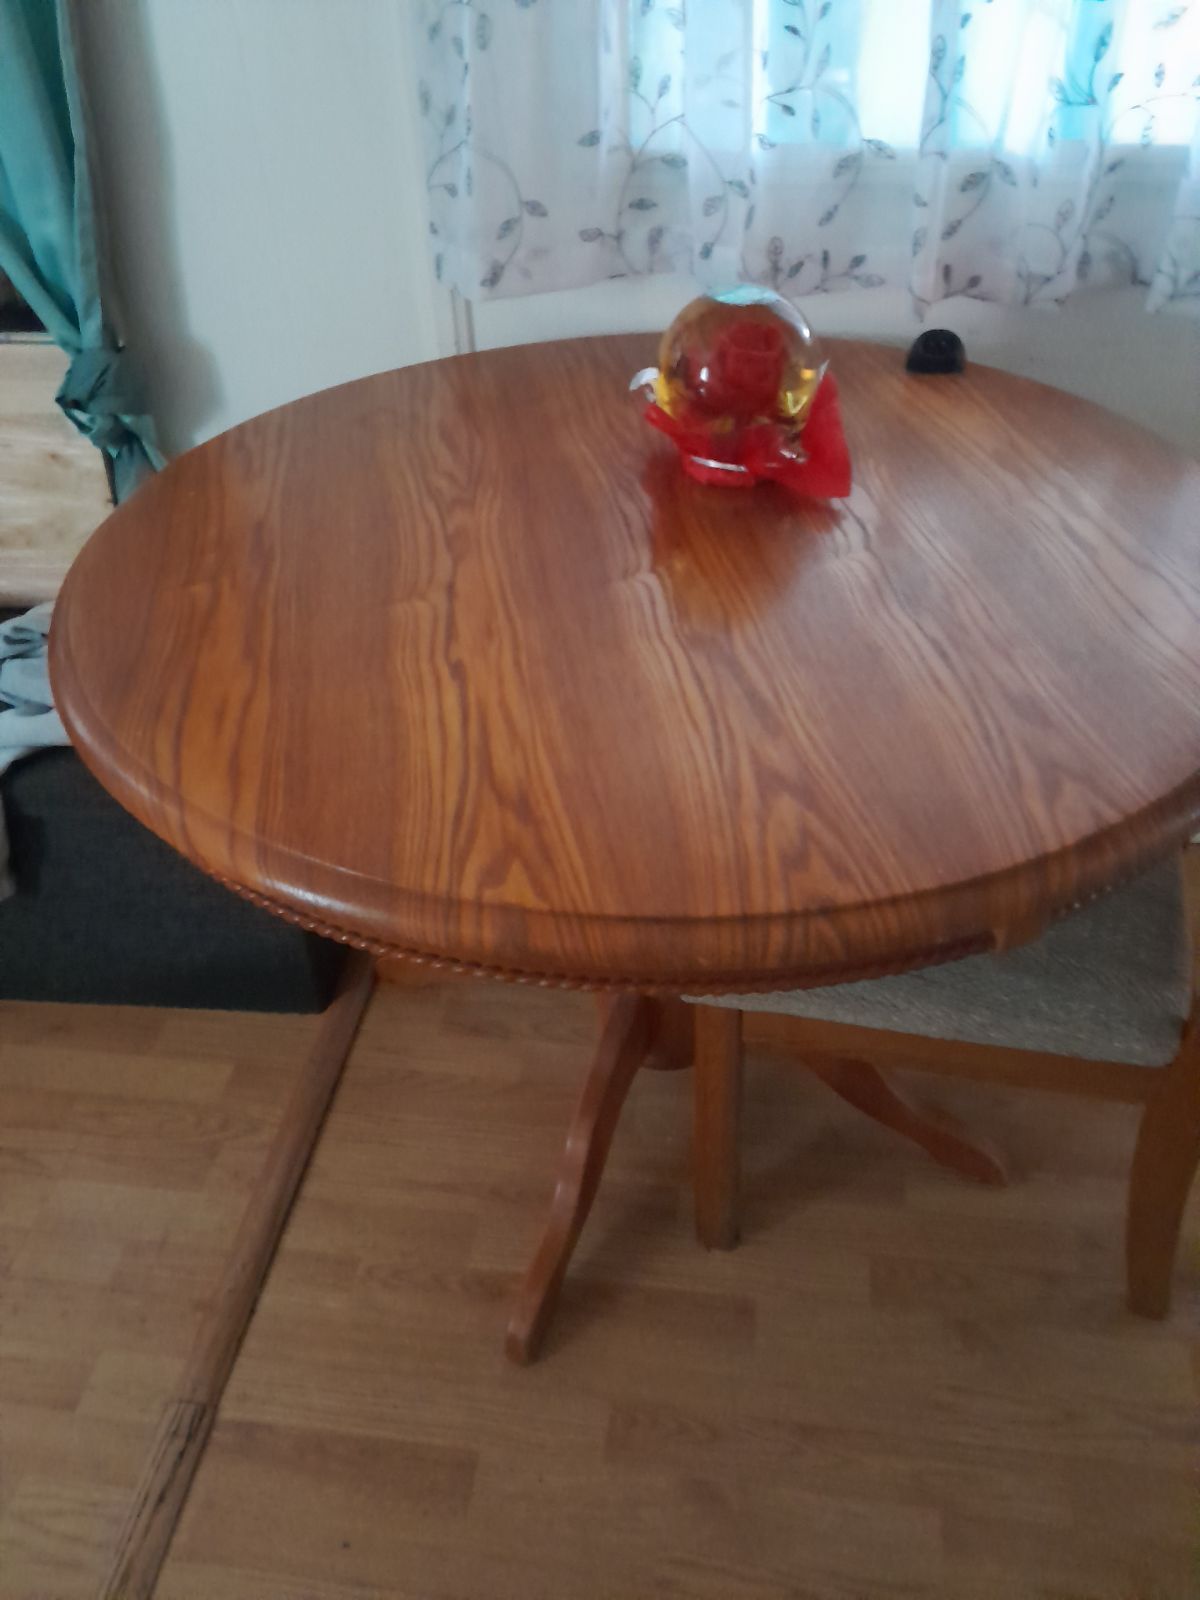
x=942, y=1136
x=624, y=1042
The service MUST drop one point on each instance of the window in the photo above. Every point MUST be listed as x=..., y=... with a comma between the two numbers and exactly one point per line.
x=1024, y=73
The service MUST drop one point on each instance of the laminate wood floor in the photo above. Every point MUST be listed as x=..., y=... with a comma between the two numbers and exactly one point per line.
x=899, y=1385
x=53, y=491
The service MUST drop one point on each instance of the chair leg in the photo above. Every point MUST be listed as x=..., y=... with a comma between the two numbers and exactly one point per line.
x=717, y=1097
x=1164, y=1164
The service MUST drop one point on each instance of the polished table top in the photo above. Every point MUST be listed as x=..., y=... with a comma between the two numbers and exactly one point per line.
x=455, y=662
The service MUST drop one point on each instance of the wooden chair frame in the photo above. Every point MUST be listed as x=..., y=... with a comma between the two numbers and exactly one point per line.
x=854, y=1059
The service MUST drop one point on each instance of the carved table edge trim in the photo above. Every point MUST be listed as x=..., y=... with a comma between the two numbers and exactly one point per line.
x=692, y=984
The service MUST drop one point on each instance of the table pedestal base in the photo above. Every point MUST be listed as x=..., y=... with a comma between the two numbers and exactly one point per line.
x=639, y=1031
x=938, y=1133
x=625, y=1040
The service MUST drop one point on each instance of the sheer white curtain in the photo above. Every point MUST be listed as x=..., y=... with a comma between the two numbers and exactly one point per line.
x=1002, y=149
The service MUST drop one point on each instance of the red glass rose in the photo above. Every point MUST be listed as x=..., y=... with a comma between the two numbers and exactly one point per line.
x=747, y=369
x=742, y=389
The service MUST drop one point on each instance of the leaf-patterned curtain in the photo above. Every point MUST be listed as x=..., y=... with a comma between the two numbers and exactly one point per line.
x=1008, y=150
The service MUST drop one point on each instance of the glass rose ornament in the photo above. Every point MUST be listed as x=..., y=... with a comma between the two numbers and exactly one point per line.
x=744, y=391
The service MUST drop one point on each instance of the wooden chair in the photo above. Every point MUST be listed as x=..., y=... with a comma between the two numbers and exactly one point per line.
x=1102, y=1004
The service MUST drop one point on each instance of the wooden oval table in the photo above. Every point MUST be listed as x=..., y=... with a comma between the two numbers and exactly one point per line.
x=455, y=664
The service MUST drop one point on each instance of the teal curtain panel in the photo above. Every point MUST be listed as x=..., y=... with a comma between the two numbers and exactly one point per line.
x=49, y=235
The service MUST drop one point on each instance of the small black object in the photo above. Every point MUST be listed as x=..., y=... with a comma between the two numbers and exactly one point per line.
x=936, y=350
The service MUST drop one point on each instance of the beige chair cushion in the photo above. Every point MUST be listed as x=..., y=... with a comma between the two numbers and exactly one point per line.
x=1110, y=983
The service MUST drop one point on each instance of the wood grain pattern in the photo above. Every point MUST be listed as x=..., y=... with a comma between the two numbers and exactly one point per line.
x=456, y=662
x=188, y=1418
x=130, y=1141
x=900, y=1385
x=53, y=490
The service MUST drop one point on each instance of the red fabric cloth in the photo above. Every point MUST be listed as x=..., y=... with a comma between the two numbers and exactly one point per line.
x=825, y=475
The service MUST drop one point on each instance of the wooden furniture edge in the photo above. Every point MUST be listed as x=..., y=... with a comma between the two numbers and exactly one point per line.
x=1107, y=859
x=822, y=1042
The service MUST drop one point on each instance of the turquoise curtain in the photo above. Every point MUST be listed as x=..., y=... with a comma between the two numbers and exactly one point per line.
x=48, y=231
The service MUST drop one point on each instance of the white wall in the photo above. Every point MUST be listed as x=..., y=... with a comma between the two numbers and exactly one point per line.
x=258, y=167
x=262, y=170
